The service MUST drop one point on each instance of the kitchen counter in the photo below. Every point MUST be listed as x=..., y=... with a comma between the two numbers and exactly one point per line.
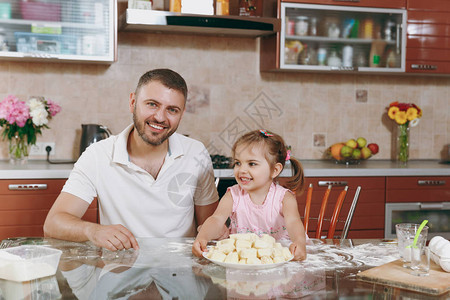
x=164, y=268
x=40, y=169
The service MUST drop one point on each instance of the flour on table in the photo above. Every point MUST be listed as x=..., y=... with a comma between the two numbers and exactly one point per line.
x=325, y=256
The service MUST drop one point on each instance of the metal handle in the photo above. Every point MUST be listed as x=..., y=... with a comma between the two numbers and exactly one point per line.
x=423, y=67
x=343, y=68
x=333, y=183
x=27, y=187
x=397, y=39
x=431, y=182
x=431, y=205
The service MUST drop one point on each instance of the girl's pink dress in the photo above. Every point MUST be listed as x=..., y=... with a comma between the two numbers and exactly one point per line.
x=266, y=218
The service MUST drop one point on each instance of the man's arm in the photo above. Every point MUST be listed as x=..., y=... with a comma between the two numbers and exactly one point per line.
x=64, y=222
x=203, y=212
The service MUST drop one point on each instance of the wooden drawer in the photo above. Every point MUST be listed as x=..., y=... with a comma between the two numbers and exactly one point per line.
x=361, y=3
x=418, y=189
x=427, y=29
x=427, y=66
x=426, y=54
x=28, y=186
x=417, y=41
x=23, y=208
x=431, y=17
x=431, y=5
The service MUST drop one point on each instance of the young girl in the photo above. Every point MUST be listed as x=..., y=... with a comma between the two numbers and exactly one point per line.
x=257, y=203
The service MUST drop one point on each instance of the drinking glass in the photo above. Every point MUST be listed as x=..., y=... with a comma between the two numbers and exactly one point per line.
x=405, y=238
x=420, y=259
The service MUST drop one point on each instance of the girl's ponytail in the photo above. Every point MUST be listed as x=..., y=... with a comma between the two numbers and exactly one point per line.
x=297, y=181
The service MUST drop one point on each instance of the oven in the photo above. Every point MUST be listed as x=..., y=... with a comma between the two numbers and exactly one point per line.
x=437, y=214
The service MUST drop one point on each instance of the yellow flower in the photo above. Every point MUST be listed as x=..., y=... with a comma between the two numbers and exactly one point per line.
x=393, y=111
x=411, y=113
x=400, y=117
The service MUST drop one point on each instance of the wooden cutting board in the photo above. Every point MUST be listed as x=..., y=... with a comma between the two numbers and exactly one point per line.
x=393, y=274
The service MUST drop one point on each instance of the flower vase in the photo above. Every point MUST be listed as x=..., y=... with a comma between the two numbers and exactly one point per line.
x=18, y=150
x=402, y=140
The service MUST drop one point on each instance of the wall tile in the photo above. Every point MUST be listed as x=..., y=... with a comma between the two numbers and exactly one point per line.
x=227, y=70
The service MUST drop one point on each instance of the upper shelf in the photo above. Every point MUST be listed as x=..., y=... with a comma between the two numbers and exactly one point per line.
x=164, y=21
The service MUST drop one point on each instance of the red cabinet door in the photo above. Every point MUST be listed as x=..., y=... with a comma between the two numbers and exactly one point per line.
x=23, y=207
x=360, y=3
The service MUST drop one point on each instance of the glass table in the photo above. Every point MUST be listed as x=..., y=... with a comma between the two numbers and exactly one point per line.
x=164, y=268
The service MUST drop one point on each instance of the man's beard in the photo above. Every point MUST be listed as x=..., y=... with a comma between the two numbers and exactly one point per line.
x=140, y=127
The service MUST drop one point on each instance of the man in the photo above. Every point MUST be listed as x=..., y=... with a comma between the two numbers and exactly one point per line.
x=149, y=180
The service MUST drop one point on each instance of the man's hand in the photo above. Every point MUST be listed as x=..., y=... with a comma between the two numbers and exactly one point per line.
x=112, y=237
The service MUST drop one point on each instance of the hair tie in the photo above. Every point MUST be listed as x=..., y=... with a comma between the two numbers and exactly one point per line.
x=288, y=155
x=265, y=133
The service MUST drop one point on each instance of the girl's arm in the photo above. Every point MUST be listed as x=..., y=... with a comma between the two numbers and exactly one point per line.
x=294, y=227
x=213, y=226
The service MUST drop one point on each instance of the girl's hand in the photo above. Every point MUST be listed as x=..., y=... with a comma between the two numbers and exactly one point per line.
x=199, y=247
x=298, y=250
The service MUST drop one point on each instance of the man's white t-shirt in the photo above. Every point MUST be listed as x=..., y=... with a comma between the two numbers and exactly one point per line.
x=129, y=195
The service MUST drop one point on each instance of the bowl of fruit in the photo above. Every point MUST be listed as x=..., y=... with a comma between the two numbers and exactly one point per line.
x=352, y=151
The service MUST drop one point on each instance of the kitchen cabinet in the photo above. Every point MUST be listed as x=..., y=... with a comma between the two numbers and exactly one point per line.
x=358, y=3
x=24, y=204
x=171, y=22
x=56, y=30
x=368, y=218
x=336, y=38
x=417, y=198
x=418, y=189
x=428, y=37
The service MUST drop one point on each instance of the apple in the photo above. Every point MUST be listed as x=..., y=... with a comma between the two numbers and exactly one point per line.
x=373, y=147
x=351, y=143
x=362, y=142
x=356, y=154
x=346, y=151
x=366, y=153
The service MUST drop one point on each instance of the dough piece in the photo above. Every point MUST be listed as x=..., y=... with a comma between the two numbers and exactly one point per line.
x=265, y=252
x=226, y=241
x=266, y=260
x=278, y=245
x=259, y=244
x=232, y=258
x=243, y=244
x=244, y=236
x=226, y=248
x=277, y=252
x=286, y=253
x=219, y=256
x=253, y=261
x=278, y=259
x=243, y=261
x=268, y=239
x=248, y=253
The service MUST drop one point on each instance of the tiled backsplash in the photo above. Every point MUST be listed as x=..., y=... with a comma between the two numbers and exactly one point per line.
x=228, y=95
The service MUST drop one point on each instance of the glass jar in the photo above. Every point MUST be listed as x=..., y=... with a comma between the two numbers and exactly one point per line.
x=334, y=60
x=301, y=26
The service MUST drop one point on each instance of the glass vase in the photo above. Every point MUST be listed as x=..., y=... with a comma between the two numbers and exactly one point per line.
x=18, y=150
x=402, y=144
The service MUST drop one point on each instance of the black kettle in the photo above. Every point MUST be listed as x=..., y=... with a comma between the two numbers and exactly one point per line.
x=91, y=133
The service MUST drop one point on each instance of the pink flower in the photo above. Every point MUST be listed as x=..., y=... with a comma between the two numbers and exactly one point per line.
x=14, y=111
x=53, y=108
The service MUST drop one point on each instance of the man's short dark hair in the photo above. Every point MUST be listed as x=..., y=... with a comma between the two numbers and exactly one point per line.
x=167, y=77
